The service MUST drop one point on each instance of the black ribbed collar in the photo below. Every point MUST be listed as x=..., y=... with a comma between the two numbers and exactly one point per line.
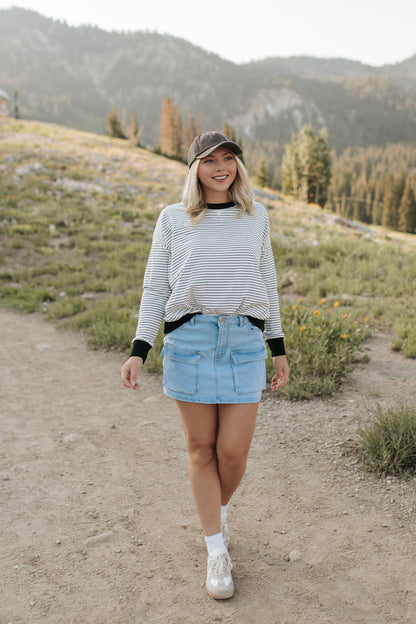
x=228, y=204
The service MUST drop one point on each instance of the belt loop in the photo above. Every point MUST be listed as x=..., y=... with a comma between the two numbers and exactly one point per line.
x=192, y=320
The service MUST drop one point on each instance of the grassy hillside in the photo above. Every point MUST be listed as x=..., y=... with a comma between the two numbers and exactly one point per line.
x=77, y=212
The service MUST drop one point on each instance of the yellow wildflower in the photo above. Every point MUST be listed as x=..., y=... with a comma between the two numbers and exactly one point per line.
x=344, y=336
x=294, y=307
x=317, y=313
x=366, y=319
x=345, y=316
x=355, y=322
x=303, y=328
x=300, y=299
x=321, y=301
x=336, y=304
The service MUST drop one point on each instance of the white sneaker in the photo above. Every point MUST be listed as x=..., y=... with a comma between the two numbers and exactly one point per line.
x=219, y=580
x=225, y=532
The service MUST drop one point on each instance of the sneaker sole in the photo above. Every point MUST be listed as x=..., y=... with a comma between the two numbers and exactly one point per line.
x=219, y=597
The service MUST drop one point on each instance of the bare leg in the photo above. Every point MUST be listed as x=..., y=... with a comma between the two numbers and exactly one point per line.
x=200, y=422
x=236, y=424
x=218, y=438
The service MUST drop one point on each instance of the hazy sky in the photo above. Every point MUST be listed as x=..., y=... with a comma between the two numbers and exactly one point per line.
x=372, y=31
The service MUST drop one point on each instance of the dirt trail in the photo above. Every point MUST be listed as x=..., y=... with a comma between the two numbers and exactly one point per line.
x=97, y=523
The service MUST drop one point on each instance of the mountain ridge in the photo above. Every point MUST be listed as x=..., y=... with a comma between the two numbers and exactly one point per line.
x=74, y=75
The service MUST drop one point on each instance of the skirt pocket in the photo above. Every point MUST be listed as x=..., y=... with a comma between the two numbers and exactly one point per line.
x=249, y=370
x=180, y=369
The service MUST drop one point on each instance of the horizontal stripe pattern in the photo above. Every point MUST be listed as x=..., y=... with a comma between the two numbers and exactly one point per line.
x=222, y=265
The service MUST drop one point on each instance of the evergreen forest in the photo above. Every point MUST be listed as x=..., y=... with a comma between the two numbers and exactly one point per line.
x=376, y=185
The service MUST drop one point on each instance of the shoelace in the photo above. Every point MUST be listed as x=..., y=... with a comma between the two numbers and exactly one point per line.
x=220, y=563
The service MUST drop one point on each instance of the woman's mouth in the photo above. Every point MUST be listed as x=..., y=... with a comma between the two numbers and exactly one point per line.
x=220, y=178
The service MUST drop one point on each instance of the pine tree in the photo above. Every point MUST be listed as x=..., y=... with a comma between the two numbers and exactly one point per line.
x=16, y=105
x=165, y=128
x=291, y=168
x=407, y=208
x=377, y=205
x=170, y=131
x=388, y=218
x=176, y=124
x=123, y=121
x=306, y=150
x=133, y=131
x=306, y=166
x=188, y=133
x=133, y=124
x=398, y=190
x=322, y=168
x=113, y=125
x=227, y=130
x=263, y=174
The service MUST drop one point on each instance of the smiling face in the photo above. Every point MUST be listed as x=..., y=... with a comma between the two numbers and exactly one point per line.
x=216, y=174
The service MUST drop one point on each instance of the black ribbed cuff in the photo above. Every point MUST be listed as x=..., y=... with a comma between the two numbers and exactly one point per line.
x=140, y=349
x=277, y=346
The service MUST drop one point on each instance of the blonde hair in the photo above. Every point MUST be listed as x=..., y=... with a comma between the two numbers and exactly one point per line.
x=193, y=195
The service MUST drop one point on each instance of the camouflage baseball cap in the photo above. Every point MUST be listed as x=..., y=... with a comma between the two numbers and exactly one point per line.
x=205, y=143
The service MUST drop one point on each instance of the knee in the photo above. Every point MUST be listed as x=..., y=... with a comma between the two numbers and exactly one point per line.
x=232, y=457
x=201, y=454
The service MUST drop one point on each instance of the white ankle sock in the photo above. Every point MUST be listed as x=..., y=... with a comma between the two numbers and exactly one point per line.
x=215, y=543
x=224, y=510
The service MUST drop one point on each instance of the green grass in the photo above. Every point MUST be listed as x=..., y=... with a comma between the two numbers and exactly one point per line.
x=66, y=307
x=79, y=257
x=406, y=337
x=388, y=443
x=109, y=324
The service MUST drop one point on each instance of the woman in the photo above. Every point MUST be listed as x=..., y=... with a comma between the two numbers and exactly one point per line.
x=211, y=277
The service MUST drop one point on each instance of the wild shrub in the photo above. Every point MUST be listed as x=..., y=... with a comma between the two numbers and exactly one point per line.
x=321, y=342
x=388, y=443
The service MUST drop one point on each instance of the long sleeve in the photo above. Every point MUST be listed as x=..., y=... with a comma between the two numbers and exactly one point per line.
x=156, y=289
x=273, y=324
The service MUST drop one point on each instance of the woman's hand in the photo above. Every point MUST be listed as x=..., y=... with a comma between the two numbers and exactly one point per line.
x=129, y=372
x=282, y=372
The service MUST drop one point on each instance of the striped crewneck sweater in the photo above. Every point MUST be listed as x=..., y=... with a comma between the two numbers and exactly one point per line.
x=221, y=265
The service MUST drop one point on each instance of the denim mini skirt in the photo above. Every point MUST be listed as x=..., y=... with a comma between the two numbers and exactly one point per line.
x=215, y=359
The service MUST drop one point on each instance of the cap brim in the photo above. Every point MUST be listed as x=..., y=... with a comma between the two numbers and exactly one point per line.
x=233, y=147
